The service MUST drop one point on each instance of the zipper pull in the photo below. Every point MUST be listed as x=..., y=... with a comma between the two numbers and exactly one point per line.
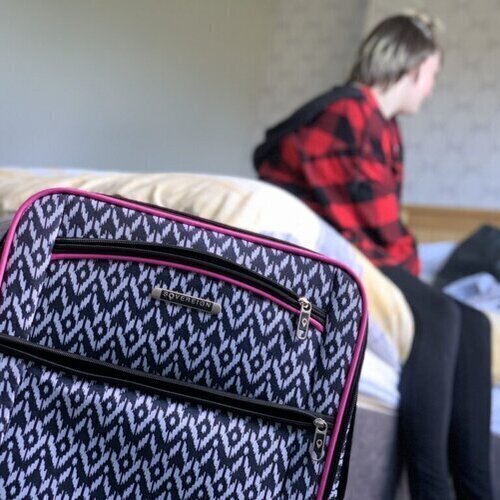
x=304, y=318
x=317, y=448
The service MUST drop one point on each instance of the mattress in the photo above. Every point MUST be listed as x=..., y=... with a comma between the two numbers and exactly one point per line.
x=245, y=203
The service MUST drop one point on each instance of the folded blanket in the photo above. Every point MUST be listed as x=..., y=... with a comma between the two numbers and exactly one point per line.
x=482, y=291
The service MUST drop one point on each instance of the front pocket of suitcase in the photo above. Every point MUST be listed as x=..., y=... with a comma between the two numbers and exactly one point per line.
x=100, y=305
x=83, y=419
x=204, y=262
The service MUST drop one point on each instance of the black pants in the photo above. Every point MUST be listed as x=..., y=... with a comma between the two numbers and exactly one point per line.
x=445, y=395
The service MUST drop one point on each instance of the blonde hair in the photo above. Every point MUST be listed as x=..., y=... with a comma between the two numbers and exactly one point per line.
x=395, y=46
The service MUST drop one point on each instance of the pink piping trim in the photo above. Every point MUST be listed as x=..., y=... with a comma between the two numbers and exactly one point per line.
x=261, y=240
x=164, y=263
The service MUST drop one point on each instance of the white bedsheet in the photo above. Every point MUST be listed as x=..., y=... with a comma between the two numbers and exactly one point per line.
x=495, y=410
x=433, y=256
x=380, y=374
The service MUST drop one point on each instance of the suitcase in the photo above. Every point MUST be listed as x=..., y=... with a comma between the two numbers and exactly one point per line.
x=147, y=353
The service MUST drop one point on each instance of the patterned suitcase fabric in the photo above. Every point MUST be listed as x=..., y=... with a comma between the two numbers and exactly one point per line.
x=149, y=354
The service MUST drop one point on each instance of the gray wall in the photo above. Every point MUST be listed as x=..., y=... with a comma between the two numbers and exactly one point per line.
x=132, y=84
x=453, y=145
x=312, y=48
x=189, y=85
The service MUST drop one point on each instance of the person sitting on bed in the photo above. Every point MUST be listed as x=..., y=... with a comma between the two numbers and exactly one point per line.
x=342, y=154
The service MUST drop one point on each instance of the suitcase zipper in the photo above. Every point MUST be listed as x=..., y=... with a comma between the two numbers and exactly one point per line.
x=184, y=391
x=304, y=318
x=205, y=260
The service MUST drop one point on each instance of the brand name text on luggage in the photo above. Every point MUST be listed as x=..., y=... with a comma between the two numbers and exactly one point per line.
x=183, y=299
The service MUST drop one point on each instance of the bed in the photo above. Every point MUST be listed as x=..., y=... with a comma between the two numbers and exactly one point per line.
x=375, y=466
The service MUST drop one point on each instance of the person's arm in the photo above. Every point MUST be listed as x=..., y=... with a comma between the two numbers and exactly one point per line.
x=355, y=191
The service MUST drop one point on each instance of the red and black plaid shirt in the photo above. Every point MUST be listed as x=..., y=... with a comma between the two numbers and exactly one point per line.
x=347, y=165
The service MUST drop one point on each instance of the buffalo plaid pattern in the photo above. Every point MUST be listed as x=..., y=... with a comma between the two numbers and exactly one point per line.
x=347, y=165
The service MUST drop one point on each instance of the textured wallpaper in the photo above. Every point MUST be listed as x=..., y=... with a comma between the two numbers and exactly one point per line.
x=312, y=49
x=453, y=145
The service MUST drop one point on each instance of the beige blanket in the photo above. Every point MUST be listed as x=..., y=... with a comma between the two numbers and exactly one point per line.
x=244, y=203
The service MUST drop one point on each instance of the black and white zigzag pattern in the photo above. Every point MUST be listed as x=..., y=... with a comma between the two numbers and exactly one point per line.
x=65, y=436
